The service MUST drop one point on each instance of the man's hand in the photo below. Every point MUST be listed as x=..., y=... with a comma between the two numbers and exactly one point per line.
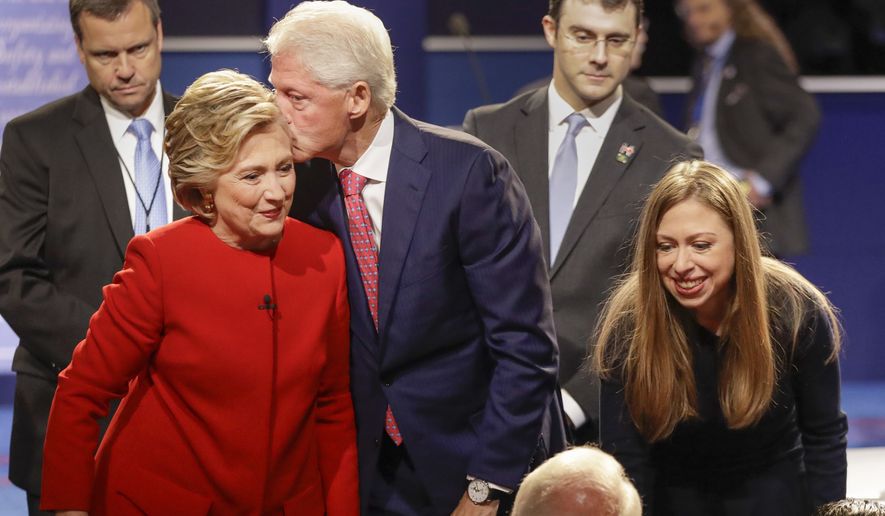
x=759, y=200
x=467, y=508
x=71, y=513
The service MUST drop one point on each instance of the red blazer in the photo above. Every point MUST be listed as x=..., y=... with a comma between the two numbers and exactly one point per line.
x=232, y=408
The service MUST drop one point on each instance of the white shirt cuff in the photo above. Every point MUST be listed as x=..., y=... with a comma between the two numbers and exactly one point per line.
x=760, y=184
x=572, y=409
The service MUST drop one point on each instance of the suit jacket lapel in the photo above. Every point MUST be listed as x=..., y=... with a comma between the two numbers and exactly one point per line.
x=407, y=182
x=731, y=86
x=607, y=171
x=97, y=146
x=531, y=146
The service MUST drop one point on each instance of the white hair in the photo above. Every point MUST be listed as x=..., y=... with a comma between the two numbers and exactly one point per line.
x=339, y=44
x=582, y=481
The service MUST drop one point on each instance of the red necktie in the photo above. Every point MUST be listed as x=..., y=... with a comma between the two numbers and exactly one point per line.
x=366, y=251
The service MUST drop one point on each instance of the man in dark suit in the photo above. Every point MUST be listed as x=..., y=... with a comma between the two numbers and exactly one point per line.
x=72, y=194
x=750, y=114
x=453, y=355
x=588, y=154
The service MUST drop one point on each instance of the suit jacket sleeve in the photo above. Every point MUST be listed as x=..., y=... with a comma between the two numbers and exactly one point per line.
x=336, y=431
x=122, y=337
x=792, y=114
x=30, y=296
x=500, y=247
x=821, y=421
x=314, y=181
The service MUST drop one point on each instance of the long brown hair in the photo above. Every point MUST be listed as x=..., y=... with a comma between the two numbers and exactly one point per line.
x=641, y=335
x=750, y=20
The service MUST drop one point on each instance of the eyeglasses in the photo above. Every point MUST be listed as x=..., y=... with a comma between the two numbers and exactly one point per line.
x=584, y=44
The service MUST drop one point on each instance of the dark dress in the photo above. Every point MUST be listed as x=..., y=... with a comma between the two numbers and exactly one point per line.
x=790, y=462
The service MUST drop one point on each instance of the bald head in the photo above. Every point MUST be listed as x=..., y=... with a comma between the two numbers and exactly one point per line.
x=581, y=481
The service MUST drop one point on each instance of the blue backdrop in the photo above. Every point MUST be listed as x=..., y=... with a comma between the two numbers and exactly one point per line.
x=38, y=63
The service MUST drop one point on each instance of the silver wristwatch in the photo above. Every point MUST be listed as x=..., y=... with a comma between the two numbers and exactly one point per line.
x=479, y=492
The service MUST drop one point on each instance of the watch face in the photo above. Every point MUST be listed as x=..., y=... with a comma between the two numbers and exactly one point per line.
x=478, y=491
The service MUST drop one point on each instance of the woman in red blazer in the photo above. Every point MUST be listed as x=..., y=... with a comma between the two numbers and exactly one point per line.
x=229, y=332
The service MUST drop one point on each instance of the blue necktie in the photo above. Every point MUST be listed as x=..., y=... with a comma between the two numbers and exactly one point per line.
x=150, y=205
x=707, y=63
x=564, y=183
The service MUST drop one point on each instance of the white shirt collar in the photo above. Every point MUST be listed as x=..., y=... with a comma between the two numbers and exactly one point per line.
x=721, y=46
x=559, y=110
x=118, y=122
x=374, y=162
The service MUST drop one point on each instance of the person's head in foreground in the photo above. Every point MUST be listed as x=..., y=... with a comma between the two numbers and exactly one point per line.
x=583, y=481
x=852, y=507
x=230, y=159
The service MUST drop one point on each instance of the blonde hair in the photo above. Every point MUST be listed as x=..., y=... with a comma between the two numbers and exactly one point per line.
x=583, y=480
x=641, y=336
x=205, y=130
x=339, y=44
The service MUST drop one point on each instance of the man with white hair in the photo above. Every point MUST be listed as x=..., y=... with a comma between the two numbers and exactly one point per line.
x=582, y=481
x=453, y=357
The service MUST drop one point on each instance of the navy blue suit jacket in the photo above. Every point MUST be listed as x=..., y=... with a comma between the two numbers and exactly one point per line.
x=465, y=353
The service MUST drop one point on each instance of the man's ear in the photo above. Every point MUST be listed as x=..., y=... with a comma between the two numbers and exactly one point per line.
x=359, y=98
x=549, y=25
x=80, y=53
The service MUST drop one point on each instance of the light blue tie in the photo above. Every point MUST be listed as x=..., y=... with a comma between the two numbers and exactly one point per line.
x=150, y=205
x=564, y=183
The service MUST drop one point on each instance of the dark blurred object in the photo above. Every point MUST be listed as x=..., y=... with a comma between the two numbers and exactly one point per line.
x=212, y=18
x=868, y=20
x=670, y=54
x=459, y=25
x=822, y=39
x=489, y=17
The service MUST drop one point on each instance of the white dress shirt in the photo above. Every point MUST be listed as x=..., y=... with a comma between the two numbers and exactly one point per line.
x=373, y=165
x=588, y=142
x=124, y=141
x=590, y=137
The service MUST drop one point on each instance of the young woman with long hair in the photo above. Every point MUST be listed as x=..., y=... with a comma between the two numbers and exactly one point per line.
x=720, y=373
